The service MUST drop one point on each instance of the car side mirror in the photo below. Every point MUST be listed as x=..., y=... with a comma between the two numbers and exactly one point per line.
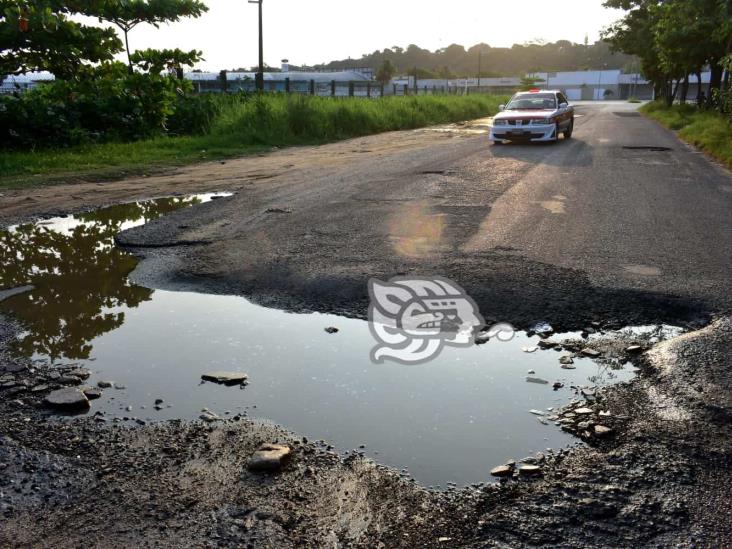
x=501, y=107
x=563, y=105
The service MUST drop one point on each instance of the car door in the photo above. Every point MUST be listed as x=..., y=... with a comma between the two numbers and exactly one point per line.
x=565, y=114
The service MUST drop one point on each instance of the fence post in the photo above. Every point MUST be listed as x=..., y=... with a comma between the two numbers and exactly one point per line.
x=381, y=91
x=368, y=89
x=394, y=89
x=332, y=88
x=224, y=83
x=350, y=89
x=287, y=85
x=312, y=87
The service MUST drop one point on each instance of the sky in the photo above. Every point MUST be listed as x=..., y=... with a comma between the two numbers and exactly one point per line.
x=318, y=31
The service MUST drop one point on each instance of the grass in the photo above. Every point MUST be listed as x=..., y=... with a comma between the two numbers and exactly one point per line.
x=244, y=126
x=707, y=130
x=633, y=100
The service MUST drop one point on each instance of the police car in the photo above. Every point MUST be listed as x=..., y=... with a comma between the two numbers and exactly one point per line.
x=535, y=115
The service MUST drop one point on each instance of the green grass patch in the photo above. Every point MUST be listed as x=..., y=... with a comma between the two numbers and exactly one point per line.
x=244, y=125
x=708, y=130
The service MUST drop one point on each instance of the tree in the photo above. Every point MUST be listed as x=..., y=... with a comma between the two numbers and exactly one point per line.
x=127, y=14
x=157, y=61
x=38, y=35
x=386, y=72
x=530, y=82
x=674, y=38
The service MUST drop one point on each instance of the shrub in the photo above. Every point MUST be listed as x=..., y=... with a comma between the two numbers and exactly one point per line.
x=193, y=114
x=98, y=108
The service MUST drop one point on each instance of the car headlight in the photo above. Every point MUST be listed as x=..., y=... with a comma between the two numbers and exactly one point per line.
x=542, y=121
x=500, y=122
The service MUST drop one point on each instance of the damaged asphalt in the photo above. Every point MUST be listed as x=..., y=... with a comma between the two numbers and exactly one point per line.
x=580, y=233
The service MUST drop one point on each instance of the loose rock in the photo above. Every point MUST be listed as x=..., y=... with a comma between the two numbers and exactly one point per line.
x=529, y=470
x=502, y=471
x=71, y=400
x=225, y=378
x=269, y=458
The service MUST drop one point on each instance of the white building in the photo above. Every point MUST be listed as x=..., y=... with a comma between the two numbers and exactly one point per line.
x=23, y=82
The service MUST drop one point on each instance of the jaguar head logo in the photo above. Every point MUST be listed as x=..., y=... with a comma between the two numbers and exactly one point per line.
x=413, y=319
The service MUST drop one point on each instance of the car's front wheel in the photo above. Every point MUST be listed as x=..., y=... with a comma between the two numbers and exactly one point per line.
x=569, y=130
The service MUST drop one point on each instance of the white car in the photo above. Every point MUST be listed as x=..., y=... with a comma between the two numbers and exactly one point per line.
x=535, y=115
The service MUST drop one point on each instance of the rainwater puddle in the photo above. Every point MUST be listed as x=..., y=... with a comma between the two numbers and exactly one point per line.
x=451, y=419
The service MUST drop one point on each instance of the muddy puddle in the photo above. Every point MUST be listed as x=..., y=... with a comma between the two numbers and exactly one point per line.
x=450, y=420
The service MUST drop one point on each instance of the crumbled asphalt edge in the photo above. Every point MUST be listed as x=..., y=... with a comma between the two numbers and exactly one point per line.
x=661, y=479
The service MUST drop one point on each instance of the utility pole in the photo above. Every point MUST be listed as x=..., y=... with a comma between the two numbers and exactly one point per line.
x=259, y=79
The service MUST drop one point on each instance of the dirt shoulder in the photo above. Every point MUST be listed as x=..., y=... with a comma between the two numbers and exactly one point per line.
x=28, y=203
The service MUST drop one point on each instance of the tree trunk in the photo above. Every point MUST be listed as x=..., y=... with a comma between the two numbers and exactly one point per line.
x=670, y=91
x=699, y=100
x=129, y=60
x=715, y=79
x=684, y=89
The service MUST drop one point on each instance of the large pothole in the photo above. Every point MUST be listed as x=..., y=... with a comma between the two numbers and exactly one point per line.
x=447, y=421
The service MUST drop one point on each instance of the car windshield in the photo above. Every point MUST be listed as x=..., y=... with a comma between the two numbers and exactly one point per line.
x=533, y=101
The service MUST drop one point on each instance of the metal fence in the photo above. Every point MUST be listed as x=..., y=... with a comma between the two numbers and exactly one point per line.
x=336, y=88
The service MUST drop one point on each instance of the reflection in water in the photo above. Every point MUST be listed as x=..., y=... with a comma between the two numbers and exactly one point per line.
x=78, y=274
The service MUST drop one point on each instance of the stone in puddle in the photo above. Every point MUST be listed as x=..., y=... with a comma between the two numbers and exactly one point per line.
x=105, y=384
x=566, y=359
x=226, y=378
x=602, y=431
x=590, y=352
x=92, y=392
x=537, y=380
x=502, y=471
x=209, y=417
x=269, y=458
x=69, y=399
x=331, y=330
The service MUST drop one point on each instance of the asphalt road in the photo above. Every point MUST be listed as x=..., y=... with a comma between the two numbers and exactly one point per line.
x=582, y=230
x=579, y=231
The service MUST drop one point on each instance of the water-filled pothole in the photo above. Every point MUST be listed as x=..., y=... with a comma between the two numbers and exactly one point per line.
x=451, y=419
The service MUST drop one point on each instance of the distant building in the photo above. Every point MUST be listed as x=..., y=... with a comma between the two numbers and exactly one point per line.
x=577, y=85
x=23, y=82
x=299, y=80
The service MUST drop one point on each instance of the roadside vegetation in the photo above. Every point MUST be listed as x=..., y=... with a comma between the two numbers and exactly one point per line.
x=676, y=40
x=227, y=126
x=104, y=118
x=710, y=131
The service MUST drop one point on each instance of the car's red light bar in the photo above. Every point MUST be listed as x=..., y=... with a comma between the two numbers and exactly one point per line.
x=535, y=90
